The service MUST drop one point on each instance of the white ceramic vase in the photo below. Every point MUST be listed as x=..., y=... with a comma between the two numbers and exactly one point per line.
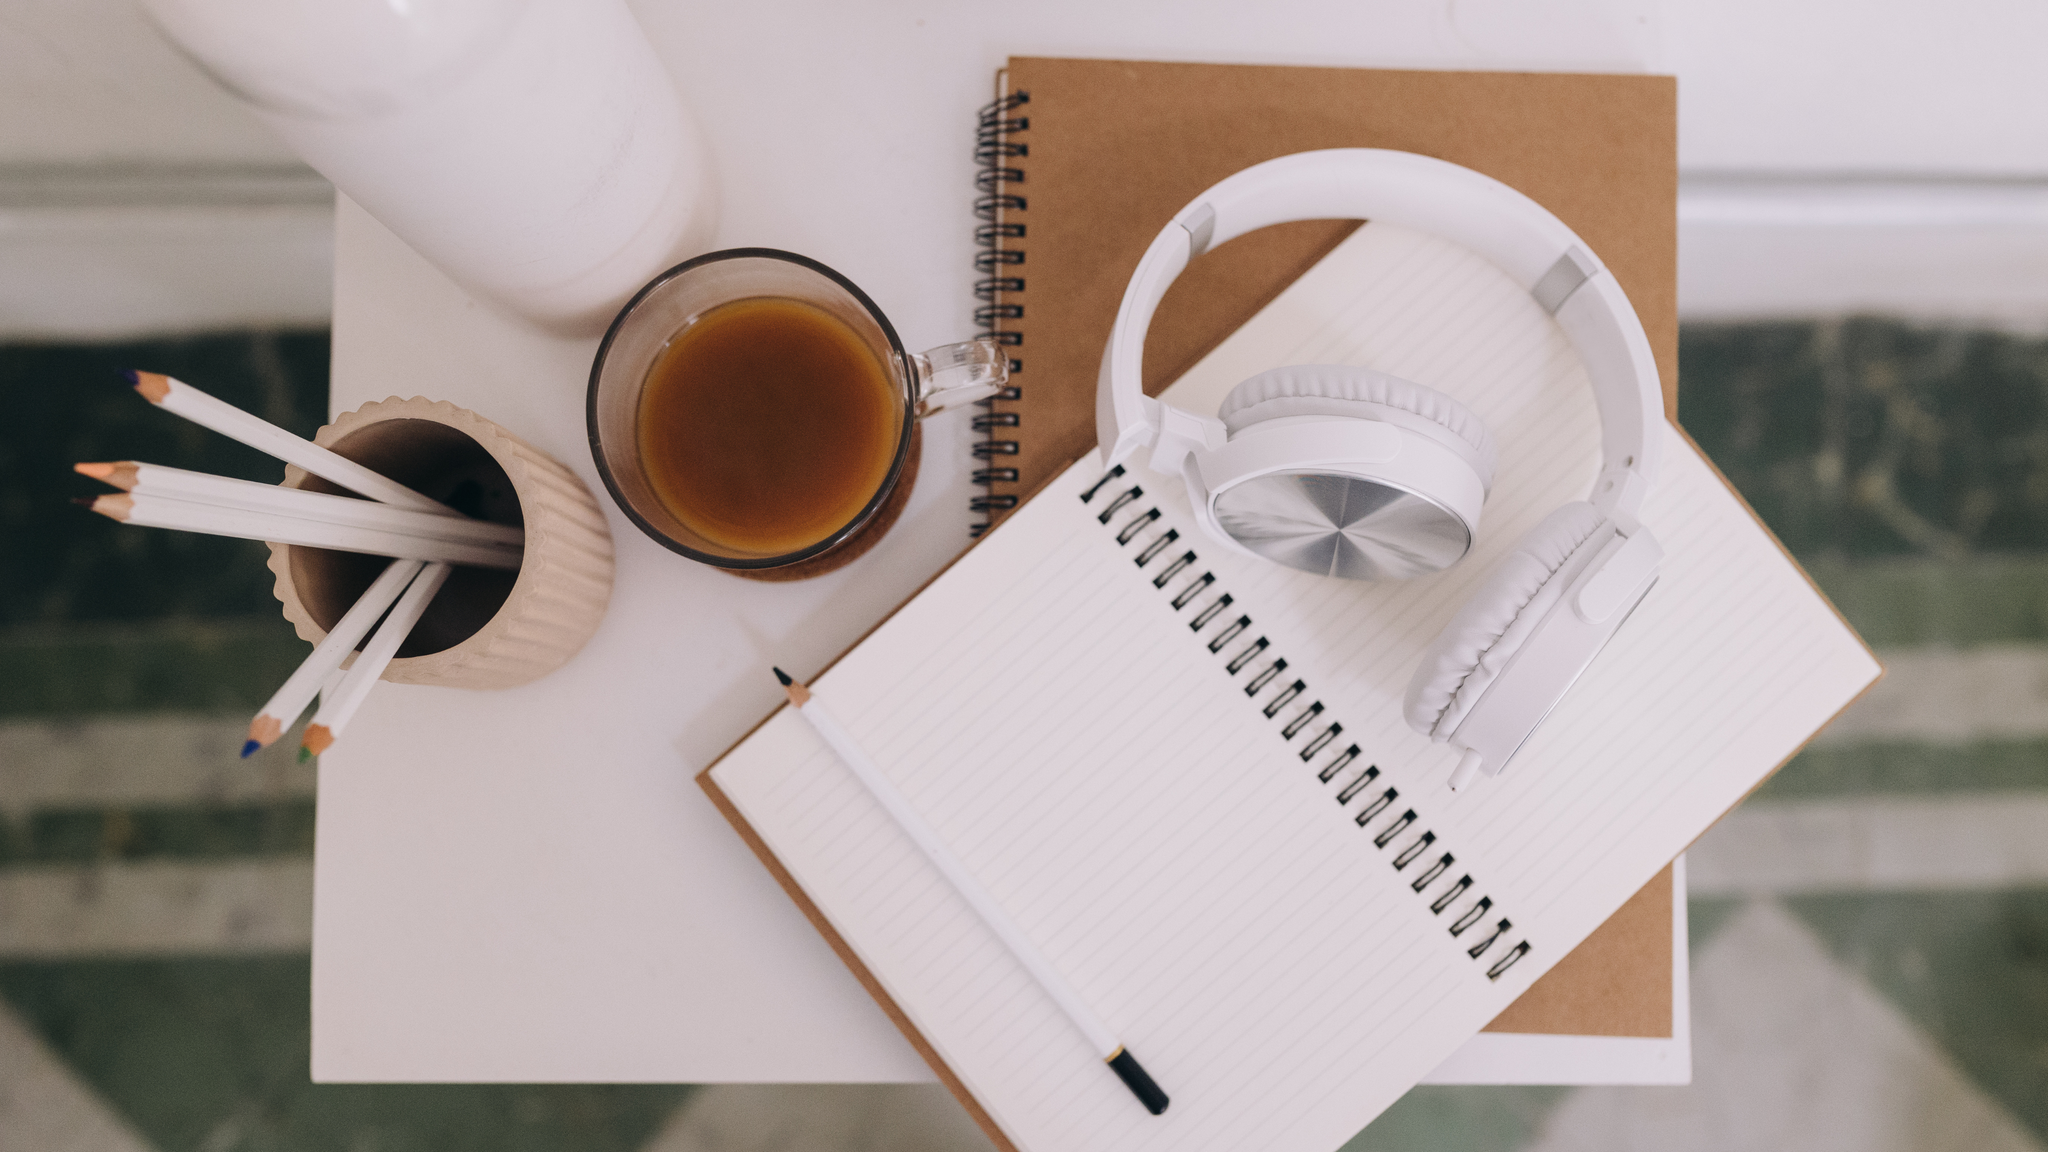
x=534, y=150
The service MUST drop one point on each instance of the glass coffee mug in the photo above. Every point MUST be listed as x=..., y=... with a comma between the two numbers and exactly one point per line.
x=752, y=409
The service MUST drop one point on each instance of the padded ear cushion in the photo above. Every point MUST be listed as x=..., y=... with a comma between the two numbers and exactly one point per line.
x=1341, y=390
x=1462, y=662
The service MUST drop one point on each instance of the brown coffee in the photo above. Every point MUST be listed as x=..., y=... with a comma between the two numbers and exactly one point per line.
x=767, y=424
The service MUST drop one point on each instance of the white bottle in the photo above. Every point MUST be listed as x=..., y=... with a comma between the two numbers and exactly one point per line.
x=534, y=150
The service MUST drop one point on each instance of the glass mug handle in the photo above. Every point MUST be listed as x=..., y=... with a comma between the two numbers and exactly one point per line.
x=955, y=374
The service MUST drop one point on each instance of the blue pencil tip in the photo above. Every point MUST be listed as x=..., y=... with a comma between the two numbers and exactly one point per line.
x=129, y=375
x=784, y=677
x=249, y=748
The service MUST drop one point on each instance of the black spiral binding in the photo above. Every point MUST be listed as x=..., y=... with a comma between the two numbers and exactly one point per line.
x=1304, y=721
x=995, y=149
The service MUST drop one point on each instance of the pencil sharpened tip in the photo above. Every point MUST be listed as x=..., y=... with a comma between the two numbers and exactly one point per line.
x=249, y=748
x=96, y=471
x=783, y=677
x=84, y=501
x=130, y=376
x=318, y=739
x=155, y=387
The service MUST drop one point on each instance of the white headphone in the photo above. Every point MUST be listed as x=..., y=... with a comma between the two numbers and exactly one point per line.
x=1349, y=472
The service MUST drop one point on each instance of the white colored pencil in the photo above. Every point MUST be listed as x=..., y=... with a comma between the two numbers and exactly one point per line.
x=248, y=495
x=337, y=710
x=333, y=684
x=313, y=675
x=181, y=399
x=1049, y=978
x=166, y=512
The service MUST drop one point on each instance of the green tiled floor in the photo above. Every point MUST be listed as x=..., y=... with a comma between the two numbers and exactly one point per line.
x=1466, y=1118
x=182, y=664
x=68, y=403
x=211, y=1054
x=1970, y=968
x=1907, y=468
x=95, y=618
x=1902, y=601
x=89, y=835
x=1925, y=769
x=1867, y=438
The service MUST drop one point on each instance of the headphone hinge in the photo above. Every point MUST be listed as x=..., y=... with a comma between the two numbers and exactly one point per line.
x=1618, y=493
x=1180, y=435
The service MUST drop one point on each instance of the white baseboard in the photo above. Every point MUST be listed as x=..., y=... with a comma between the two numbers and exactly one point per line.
x=1969, y=252
x=91, y=253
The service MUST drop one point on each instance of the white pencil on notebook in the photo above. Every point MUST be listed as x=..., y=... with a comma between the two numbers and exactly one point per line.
x=334, y=679
x=141, y=479
x=314, y=676
x=339, y=708
x=181, y=399
x=167, y=512
x=884, y=791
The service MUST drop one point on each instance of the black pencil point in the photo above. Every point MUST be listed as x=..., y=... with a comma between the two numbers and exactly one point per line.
x=1133, y=1075
x=784, y=677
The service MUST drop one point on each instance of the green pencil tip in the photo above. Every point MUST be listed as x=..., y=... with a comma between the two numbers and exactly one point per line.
x=305, y=753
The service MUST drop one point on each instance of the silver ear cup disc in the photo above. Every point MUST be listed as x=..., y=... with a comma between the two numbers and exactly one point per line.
x=1337, y=525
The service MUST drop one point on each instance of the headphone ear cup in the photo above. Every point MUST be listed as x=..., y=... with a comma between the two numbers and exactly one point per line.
x=1462, y=662
x=1345, y=390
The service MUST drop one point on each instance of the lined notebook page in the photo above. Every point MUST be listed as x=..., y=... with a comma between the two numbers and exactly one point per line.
x=1175, y=850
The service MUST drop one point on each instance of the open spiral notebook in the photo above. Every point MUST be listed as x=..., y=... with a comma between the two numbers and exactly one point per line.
x=1186, y=775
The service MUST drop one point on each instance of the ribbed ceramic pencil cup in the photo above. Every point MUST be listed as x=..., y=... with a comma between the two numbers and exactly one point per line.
x=485, y=629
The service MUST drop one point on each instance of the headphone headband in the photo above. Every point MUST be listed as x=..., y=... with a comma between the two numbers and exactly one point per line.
x=1518, y=235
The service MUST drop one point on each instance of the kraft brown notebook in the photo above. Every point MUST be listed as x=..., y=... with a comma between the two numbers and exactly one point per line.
x=1084, y=161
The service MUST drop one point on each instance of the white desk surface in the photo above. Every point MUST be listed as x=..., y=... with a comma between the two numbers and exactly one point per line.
x=528, y=885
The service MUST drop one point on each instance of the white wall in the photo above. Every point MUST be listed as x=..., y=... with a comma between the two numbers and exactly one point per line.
x=1887, y=86
x=1831, y=101
x=1927, y=87
x=91, y=81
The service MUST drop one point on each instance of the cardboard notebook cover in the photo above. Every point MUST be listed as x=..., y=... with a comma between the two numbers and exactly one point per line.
x=1091, y=157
